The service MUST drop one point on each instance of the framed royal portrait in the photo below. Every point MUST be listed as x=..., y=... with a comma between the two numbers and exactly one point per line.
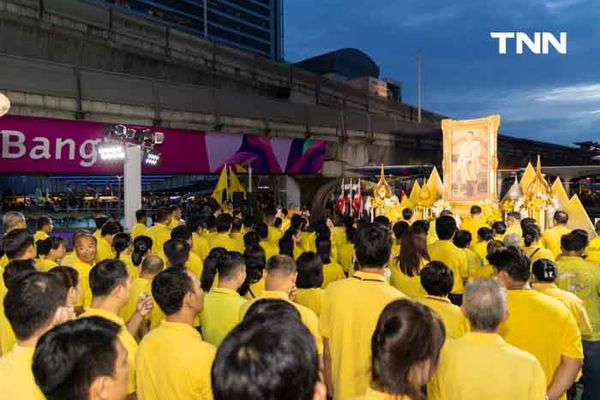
x=470, y=160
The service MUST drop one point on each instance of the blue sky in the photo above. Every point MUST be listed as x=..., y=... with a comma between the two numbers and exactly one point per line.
x=554, y=97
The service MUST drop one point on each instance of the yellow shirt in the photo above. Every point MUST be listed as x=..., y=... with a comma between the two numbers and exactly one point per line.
x=331, y=273
x=84, y=277
x=124, y=336
x=338, y=235
x=482, y=366
x=139, y=230
x=583, y=279
x=132, y=270
x=45, y=265
x=373, y=394
x=454, y=258
x=455, y=322
x=270, y=249
x=593, y=250
x=16, y=378
x=239, y=238
x=539, y=253
x=551, y=238
x=255, y=289
x=409, y=285
x=305, y=241
x=39, y=235
x=200, y=246
x=480, y=248
x=473, y=224
x=516, y=228
x=68, y=259
x=174, y=363
x=542, y=326
x=7, y=336
x=139, y=286
x=104, y=250
x=346, y=257
x=474, y=262
x=309, y=319
x=3, y=262
x=274, y=235
x=174, y=223
x=349, y=314
x=221, y=313
x=98, y=234
x=223, y=240
x=195, y=264
x=310, y=298
x=573, y=303
x=160, y=234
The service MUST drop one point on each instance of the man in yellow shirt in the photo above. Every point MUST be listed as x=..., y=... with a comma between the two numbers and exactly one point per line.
x=583, y=279
x=10, y=221
x=160, y=232
x=593, y=249
x=437, y=280
x=111, y=288
x=104, y=249
x=474, y=222
x=271, y=249
x=99, y=220
x=173, y=361
x=200, y=245
x=498, y=230
x=175, y=216
x=462, y=240
x=445, y=251
x=33, y=306
x=82, y=342
x=140, y=228
x=222, y=238
x=142, y=286
x=236, y=232
x=481, y=365
x=280, y=281
x=194, y=263
x=538, y=324
x=44, y=228
x=349, y=312
x=551, y=237
x=274, y=233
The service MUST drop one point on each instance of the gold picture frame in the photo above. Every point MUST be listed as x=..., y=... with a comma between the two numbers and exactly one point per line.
x=470, y=161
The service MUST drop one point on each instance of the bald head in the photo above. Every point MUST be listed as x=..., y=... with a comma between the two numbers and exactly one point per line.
x=152, y=265
x=484, y=304
x=13, y=220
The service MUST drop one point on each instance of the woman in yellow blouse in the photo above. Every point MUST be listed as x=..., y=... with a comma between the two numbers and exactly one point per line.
x=255, y=265
x=531, y=237
x=332, y=271
x=121, y=244
x=50, y=251
x=142, y=247
x=309, y=281
x=405, y=271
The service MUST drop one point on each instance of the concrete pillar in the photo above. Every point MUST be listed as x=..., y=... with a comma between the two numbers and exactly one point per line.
x=292, y=190
x=132, y=171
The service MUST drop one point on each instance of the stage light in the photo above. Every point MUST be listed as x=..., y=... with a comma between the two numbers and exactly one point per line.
x=111, y=151
x=151, y=157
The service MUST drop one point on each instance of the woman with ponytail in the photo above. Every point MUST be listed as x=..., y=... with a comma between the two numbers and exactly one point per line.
x=53, y=249
x=332, y=271
x=535, y=251
x=221, y=311
x=210, y=270
x=255, y=264
x=142, y=247
x=121, y=244
x=289, y=244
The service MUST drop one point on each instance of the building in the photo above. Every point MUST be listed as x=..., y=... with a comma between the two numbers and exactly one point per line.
x=252, y=25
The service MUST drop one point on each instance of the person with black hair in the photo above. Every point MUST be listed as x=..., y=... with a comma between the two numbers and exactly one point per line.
x=177, y=253
x=349, y=313
x=99, y=221
x=499, y=230
x=346, y=252
x=247, y=223
x=405, y=350
x=551, y=239
x=532, y=246
x=274, y=234
x=407, y=215
x=44, y=229
x=497, y=370
x=284, y=362
x=176, y=220
x=484, y=236
x=104, y=249
x=194, y=263
x=35, y=302
x=160, y=232
x=70, y=279
x=462, y=240
x=222, y=303
x=475, y=221
x=421, y=227
x=526, y=221
x=173, y=360
x=445, y=251
x=50, y=252
x=111, y=287
x=338, y=231
x=289, y=244
x=269, y=310
x=251, y=239
x=332, y=271
x=254, y=284
x=121, y=245
x=437, y=280
x=18, y=245
x=200, y=245
x=142, y=247
x=140, y=228
x=10, y=221
x=309, y=281
x=399, y=229
x=86, y=344
x=271, y=249
x=84, y=245
x=582, y=278
x=223, y=238
x=236, y=232
x=405, y=268
x=538, y=324
x=544, y=275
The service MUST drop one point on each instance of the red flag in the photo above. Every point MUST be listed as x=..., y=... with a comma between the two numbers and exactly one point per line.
x=357, y=201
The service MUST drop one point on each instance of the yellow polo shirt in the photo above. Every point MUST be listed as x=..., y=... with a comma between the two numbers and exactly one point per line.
x=474, y=263
x=160, y=234
x=239, y=238
x=195, y=264
x=346, y=258
x=583, y=279
x=225, y=241
x=3, y=262
x=221, y=313
x=45, y=265
x=7, y=335
x=200, y=246
x=331, y=273
x=349, y=314
x=551, y=238
x=454, y=258
x=255, y=289
x=516, y=228
x=104, y=250
x=311, y=298
x=454, y=320
x=84, y=277
x=139, y=229
x=174, y=223
x=338, y=235
x=571, y=301
x=39, y=235
x=409, y=285
x=270, y=249
x=98, y=234
x=139, y=286
x=305, y=241
x=127, y=340
x=539, y=253
x=309, y=319
x=480, y=248
x=274, y=235
x=372, y=394
x=16, y=378
x=481, y=366
x=593, y=250
x=542, y=326
x=473, y=224
x=174, y=363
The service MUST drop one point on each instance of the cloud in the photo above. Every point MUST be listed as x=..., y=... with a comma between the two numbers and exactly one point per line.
x=580, y=93
x=555, y=6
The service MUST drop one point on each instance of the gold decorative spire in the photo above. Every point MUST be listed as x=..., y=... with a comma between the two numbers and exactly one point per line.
x=383, y=188
x=539, y=185
x=559, y=193
x=515, y=192
x=414, y=193
x=528, y=177
x=435, y=185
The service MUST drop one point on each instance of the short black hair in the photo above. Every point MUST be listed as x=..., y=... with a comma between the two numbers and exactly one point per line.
x=310, y=270
x=175, y=207
x=462, y=239
x=561, y=217
x=263, y=230
x=407, y=213
x=236, y=224
x=278, y=222
x=262, y=360
x=324, y=249
x=15, y=270
x=181, y=232
x=43, y=221
x=100, y=220
x=437, y=279
x=445, y=227
x=162, y=215
x=251, y=239
x=475, y=210
x=420, y=227
x=485, y=234
x=527, y=221
x=382, y=220
x=266, y=310
x=141, y=214
x=106, y=276
x=400, y=228
x=169, y=288
x=16, y=242
x=248, y=221
x=32, y=301
x=50, y=243
x=110, y=228
x=372, y=244
x=499, y=228
x=545, y=270
x=69, y=357
x=577, y=240
x=513, y=261
x=223, y=223
x=69, y=276
x=177, y=252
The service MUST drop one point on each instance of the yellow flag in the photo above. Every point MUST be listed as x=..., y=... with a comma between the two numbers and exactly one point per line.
x=240, y=169
x=235, y=185
x=221, y=185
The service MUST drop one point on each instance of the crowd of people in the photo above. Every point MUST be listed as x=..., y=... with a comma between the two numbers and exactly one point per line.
x=219, y=305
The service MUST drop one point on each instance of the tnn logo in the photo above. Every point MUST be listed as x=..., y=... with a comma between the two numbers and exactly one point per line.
x=540, y=44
